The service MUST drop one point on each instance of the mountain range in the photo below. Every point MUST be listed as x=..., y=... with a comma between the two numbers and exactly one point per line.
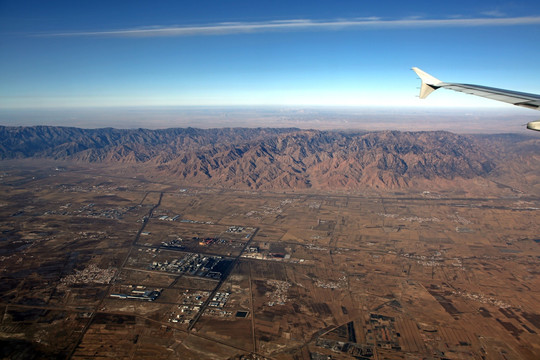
x=289, y=158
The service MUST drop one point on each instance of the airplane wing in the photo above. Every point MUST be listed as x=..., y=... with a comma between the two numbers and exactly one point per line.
x=531, y=101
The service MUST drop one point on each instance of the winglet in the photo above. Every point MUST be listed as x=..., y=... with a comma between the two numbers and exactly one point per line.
x=534, y=125
x=429, y=83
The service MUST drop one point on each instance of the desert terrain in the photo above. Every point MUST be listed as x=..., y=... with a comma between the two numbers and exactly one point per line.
x=107, y=256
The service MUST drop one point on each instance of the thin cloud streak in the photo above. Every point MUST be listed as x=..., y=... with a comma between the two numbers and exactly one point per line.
x=300, y=25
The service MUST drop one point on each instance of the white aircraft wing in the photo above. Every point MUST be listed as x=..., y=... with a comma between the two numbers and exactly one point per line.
x=531, y=101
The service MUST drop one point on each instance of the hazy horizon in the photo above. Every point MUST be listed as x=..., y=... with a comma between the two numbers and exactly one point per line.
x=460, y=120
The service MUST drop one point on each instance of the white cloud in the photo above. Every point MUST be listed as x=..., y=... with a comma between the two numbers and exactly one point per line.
x=302, y=25
x=494, y=13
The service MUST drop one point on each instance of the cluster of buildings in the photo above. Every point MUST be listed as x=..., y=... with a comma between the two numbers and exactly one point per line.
x=220, y=299
x=191, y=305
x=218, y=312
x=383, y=332
x=192, y=264
x=254, y=252
x=89, y=210
x=90, y=275
x=279, y=294
x=174, y=266
x=351, y=349
x=169, y=218
x=174, y=244
x=341, y=283
x=240, y=230
x=139, y=293
x=217, y=304
x=235, y=229
x=185, y=315
x=209, y=241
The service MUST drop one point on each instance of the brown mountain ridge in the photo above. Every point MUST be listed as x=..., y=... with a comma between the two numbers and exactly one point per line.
x=273, y=159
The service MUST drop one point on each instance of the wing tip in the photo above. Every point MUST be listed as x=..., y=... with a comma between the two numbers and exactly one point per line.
x=534, y=125
x=429, y=82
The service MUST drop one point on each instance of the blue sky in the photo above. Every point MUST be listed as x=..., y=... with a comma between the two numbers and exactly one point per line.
x=354, y=53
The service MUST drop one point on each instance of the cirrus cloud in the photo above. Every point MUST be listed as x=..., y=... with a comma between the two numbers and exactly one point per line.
x=229, y=28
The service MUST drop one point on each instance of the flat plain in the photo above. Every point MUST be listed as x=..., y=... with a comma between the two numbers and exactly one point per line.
x=106, y=264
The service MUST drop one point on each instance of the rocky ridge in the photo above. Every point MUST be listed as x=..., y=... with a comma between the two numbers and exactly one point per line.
x=266, y=158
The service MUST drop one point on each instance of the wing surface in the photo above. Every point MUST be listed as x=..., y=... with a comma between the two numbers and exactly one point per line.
x=530, y=101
